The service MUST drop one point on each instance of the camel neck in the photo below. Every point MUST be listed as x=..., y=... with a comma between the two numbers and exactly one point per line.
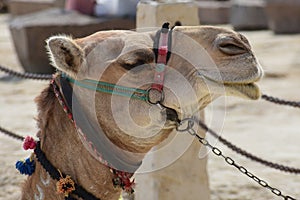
x=63, y=148
x=92, y=136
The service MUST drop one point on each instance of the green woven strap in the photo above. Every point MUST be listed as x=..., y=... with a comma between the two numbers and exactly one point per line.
x=110, y=88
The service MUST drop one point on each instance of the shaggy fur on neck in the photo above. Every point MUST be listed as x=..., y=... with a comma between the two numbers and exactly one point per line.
x=65, y=151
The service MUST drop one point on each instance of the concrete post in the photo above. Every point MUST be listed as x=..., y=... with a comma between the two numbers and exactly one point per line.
x=283, y=16
x=185, y=178
x=22, y=7
x=248, y=15
x=154, y=14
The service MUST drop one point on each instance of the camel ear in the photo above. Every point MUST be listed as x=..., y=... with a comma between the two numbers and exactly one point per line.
x=65, y=54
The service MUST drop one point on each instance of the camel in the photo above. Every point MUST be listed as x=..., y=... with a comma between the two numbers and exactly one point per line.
x=206, y=62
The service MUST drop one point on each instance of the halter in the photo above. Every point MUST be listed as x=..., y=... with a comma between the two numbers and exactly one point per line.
x=64, y=92
x=161, y=48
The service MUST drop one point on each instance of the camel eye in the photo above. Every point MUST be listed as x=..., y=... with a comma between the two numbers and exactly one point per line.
x=129, y=66
x=136, y=59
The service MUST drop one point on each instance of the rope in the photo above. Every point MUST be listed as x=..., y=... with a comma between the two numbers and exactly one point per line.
x=11, y=134
x=26, y=75
x=278, y=101
x=110, y=88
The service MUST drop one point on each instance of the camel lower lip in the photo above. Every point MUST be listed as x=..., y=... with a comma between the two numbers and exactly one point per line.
x=249, y=90
x=246, y=90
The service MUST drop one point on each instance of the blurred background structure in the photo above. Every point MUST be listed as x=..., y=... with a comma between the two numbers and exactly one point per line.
x=35, y=20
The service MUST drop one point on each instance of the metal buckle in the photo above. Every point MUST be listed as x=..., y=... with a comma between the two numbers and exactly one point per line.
x=158, y=96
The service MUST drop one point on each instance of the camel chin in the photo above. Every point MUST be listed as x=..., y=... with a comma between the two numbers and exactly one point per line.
x=248, y=91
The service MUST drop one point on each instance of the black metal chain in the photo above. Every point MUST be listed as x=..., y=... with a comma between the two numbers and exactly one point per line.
x=192, y=132
x=26, y=75
x=11, y=134
x=278, y=101
x=248, y=155
x=222, y=140
x=190, y=124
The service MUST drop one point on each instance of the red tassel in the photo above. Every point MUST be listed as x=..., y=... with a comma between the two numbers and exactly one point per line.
x=29, y=143
x=70, y=116
x=129, y=185
x=123, y=180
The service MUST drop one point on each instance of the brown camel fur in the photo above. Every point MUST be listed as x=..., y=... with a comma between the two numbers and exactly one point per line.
x=126, y=58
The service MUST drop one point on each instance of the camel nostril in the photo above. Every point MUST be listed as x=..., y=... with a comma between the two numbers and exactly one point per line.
x=231, y=45
x=231, y=48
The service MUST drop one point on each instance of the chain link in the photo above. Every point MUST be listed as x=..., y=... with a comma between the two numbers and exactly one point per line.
x=26, y=75
x=278, y=101
x=216, y=151
x=189, y=128
x=243, y=152
x=11, y=134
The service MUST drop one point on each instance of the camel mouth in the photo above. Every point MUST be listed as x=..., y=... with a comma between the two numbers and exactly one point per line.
x=249, y=90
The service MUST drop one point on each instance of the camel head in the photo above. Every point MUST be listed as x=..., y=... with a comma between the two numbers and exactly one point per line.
x=206, y=62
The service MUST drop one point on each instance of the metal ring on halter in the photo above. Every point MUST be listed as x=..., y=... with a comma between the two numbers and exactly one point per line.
x=158, y=100
x=189, y=125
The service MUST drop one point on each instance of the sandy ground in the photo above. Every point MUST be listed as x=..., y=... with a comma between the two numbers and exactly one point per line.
x=267, y=130
x=17, y=114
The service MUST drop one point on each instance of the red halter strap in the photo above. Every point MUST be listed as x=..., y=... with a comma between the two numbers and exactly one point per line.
x=162, y=59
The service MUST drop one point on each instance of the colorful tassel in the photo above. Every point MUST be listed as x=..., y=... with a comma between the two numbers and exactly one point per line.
x=122, y=179
x=65, y=186
x=26, y=167
x=29, y=143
